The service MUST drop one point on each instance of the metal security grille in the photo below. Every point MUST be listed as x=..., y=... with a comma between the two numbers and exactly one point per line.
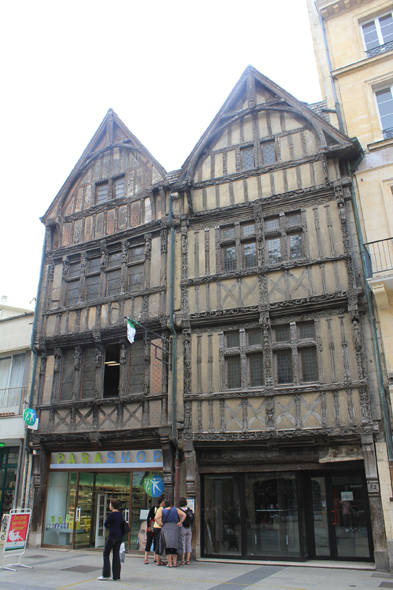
x=255, y=366
x=73, y=292
x=113, y=282
x=92, y=287
x=250, y=255
x=306, y=330
x=233, y=372
x=229, y=255
x=119, y=188
x=274, y=250
x=254, y=337
x=102, y=192
x=114, y=259
x=93, y=264
x=248, y=158
x=284, y=366
x=136, y=367
x=135, y=278
x=295, y=246
x=136, y=254
x=268, y=153
x=67, y=375
x=88, y=389
x=281, y=334
x=308, y=359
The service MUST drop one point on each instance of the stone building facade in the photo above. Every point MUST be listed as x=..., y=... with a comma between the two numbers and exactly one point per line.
x=263, y=408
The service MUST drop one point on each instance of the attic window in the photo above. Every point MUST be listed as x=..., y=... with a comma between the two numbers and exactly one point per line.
x=102, y=193
x=119, y=185
x=248, y=158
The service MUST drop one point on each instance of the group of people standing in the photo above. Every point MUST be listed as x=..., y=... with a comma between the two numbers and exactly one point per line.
x=169, y=527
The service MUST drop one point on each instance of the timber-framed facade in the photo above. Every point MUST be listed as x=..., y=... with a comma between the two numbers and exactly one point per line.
x=275, y=409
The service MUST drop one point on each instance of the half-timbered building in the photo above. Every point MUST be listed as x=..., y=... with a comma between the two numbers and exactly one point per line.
x=260, y=404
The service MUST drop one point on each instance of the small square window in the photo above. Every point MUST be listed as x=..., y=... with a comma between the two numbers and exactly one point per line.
x=294, y=219
x=254, y=337
x=232, y=340
x=268, y=153
x=229, y=256
x=282, y=334
x=228, y=233
x=272, y=223
x=136, y=254
x=233, y=372
x=93, y=265
x=306, y=330
x=248, y=158
x=75, y=269
x=248, y=229
x=114, y=259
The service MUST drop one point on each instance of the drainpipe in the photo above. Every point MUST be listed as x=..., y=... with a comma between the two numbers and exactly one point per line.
x=29, y=462
x=337, y=104
x=174, y=348
x=382, y=394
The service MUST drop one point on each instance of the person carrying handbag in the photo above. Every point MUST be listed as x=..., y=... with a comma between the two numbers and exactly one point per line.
x=114, y=522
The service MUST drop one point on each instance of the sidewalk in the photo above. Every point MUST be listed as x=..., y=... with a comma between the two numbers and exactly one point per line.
x=78, y=570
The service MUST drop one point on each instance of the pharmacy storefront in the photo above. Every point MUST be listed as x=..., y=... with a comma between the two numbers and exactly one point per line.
x=80, y=486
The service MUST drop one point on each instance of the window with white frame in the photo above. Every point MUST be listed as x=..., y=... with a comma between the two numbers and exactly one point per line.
x=384, y=98
x=378, y=34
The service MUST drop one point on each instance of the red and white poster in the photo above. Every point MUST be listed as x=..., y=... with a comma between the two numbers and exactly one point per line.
x=18, y=528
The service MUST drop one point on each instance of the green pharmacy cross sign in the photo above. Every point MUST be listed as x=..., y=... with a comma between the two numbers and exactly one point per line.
x=29, y=416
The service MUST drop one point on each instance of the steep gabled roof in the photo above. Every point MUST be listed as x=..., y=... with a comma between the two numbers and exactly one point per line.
x=111, y=133
x=329, y=136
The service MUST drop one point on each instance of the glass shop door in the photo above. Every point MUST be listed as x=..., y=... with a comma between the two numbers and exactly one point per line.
x=340, y=519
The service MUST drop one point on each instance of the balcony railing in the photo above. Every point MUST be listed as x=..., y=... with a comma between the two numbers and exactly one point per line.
x=380, y=49
x=11, y=400
x=381, y=255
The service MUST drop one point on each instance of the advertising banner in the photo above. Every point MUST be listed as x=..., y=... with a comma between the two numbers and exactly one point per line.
x=18, y=528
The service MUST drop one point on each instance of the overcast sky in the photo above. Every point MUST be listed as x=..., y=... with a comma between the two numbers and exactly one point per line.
x=164, y=67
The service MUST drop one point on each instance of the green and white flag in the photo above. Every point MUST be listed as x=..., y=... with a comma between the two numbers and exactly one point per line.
x=131, y=331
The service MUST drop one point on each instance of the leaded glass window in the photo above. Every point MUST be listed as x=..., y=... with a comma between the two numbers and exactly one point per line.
x=233, y=372
x=93, y=264
x=248, y=229
x=248, y=158
x=92, y=287
x=229, y=256
x=295, y=246
x=88, y=388
x=135, y=278
x=281, y=334
x=136, y=254
x=274, y=250
x=284, y=366
x=102, y=192
x=113, y=282
x=254, y=337
x=308, y=361
x=232, y=340
x=268, y=152
x=306, y=330
x=73, y=292
x=114, y=259
x=228, y=233
x=136, y=367
x=119, y=187
x=67, y=375
x=255, y=368
x=250, y=254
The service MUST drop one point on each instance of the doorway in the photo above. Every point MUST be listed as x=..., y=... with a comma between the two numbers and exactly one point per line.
x=339, y=519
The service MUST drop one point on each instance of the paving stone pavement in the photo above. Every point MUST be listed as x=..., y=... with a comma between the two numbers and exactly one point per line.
x=78, y=570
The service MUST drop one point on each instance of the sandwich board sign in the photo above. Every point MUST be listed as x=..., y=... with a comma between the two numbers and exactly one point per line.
x=16, y=537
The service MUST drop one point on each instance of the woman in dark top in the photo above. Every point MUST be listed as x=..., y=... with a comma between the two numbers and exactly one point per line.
x=113, y=542
x=152, y=533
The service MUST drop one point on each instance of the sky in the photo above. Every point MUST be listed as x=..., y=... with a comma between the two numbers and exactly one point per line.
x=164, y=67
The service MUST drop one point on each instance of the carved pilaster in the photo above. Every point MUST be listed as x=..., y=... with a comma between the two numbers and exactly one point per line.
x=187, y=360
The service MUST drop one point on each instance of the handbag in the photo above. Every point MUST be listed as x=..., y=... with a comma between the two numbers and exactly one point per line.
x=124, y=527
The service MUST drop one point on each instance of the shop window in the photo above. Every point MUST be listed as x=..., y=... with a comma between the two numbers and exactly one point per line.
x=378, y=34
x=284, y=237
x=112, y=370
x=294, y=351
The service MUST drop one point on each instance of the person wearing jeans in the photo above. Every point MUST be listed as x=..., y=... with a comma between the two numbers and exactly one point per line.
x=113, y=542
